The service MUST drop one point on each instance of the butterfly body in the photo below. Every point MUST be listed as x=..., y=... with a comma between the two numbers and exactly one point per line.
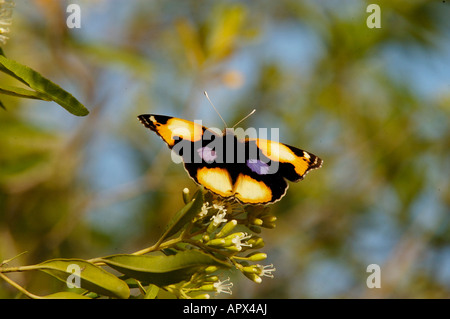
x=251, y=170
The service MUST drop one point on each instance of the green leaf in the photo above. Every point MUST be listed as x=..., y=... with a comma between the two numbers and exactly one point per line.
x=185, y=215
x=65, y=295
x=152, y=292
x=162, y=270
x=20, y=92
x=42, y=85
x=92, y=278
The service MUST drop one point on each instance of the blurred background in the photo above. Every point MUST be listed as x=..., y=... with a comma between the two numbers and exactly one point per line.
x=374, y=104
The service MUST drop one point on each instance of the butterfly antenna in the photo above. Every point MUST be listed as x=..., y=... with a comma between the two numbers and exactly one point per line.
x=254, y=110
x=206, y=94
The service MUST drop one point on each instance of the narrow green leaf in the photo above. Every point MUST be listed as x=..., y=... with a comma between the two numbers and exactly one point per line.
x=162, y=270
x=152, y=292
x=42, y=85
x=20, y=92
x=92, y=278
x=65, y=295
x=9, y=72
x=185, y=215
x=2, y=106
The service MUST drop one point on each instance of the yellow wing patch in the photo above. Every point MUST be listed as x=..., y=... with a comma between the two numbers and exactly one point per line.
x=216, y=179
x=275, y=151
x=246, y=189
x=282, y=153
x=178, y=127
x=249, y=190
x=301, y=165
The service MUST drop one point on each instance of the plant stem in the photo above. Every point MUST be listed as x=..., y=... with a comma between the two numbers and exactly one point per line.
x=18, y=287
x=158, y=245
x=18, y=269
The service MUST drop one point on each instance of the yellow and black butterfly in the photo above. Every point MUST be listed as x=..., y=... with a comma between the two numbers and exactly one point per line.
x=251, y=170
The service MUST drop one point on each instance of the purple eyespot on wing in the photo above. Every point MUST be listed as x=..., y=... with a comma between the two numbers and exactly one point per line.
x=258, y=166
x=207, y=154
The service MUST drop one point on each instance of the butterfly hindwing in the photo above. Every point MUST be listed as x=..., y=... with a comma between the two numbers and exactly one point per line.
x=248, y=181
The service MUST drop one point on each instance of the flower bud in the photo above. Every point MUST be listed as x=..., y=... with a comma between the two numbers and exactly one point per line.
x=186, y=195
x=211, y=227
x=269, y=218
x=250, y=270
x=255, y=229
x=212, y=278
x=269, y=225
x=207, y=287
x=221, y=242
x=253, y=277
x=227, y=228
x=257, y=256
x=256, y=221
x=269, y=221
x=256, y=242
x=233, y=248
x=211, y=269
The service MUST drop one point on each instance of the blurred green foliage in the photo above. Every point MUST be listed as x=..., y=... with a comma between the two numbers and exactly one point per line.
x=99, y=185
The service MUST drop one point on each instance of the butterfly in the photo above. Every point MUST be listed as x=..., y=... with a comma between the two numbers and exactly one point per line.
x=250, y=170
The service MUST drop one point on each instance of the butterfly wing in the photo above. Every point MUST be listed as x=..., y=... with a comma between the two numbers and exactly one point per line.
x=172, y=129
x=293, y=163
x=190, y=140
x=268, y=164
